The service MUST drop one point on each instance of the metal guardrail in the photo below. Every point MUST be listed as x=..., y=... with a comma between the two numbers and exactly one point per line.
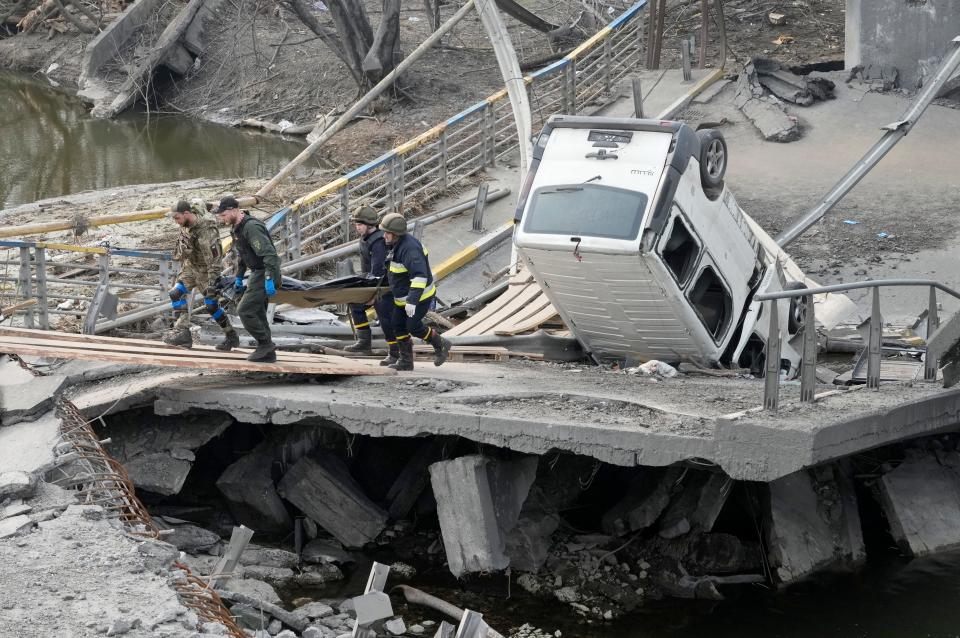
x=430, y=164
x=808, y=380
x=51, y=274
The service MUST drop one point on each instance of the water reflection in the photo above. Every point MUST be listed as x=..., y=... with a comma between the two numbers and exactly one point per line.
x=49, y=146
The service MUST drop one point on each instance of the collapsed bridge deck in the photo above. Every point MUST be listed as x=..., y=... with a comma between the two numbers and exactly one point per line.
x=534, y=408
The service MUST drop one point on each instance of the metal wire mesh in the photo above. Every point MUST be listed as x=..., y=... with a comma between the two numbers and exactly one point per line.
x=103, y=481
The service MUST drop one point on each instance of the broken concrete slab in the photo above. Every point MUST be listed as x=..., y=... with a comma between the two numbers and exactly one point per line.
x=698, y=505
x=809, y=523
x=159, y=472
x=467, y=513
x=15, y=525
x=765, y=112
x=253, y=500
x=268, y=556
x=192, y=538
x=28, y=447
x=647, y=497
x=27, y=401
x=16, y=484
x=323, y=489
x=371, y=607
x=921, y=499
x=256, y=589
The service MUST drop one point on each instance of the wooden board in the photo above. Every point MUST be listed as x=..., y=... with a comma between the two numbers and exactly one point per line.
x=134, y=352
x=522, y=308
x=139, y=343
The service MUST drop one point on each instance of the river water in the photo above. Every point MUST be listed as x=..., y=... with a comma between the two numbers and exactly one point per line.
x=50, y=146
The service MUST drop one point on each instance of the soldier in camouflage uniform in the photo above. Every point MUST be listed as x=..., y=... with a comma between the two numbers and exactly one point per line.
x=256, y=253
x=201, y=261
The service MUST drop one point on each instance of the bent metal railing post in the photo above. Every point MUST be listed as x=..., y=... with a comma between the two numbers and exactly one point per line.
x=874, y=340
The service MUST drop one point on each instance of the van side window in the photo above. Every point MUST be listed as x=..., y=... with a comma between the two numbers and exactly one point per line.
x=680, y=251
x=713, y=304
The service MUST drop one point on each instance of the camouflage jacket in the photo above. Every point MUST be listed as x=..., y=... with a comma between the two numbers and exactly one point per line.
x=199, y=250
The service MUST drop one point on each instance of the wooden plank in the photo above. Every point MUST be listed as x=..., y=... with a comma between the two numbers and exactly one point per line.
x=185, y=353
x=205, y=364
x=511, y=293
x=534, y=322
x=69, y=337
x=529, y=293
x=534, y=308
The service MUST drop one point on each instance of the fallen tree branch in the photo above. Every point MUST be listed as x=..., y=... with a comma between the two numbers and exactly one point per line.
x=72, y=19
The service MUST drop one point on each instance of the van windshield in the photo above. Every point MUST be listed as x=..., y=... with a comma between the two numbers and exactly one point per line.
x=585, y=209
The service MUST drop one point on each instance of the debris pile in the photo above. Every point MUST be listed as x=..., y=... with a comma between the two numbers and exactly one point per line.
x=764, y=86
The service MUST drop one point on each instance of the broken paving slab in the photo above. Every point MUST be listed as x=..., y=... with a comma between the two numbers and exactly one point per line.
x=28, y=446
x=698, y=505
x=323, y=489
x=647, y=497
x=27, y=401
x=921, y=500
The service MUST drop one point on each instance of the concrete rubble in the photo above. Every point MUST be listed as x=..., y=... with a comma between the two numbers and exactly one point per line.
x=813, y=523
x=921, y=499
x=323, y=489
x=159, y=453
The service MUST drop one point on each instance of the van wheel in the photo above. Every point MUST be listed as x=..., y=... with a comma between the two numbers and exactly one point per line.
x=713, y=159
x=798, y=308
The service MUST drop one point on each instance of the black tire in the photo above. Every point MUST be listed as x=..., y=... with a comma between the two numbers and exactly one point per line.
x=713, y=159
x=798, y=308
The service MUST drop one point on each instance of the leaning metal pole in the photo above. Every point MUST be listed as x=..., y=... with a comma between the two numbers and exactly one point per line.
x=894, y=133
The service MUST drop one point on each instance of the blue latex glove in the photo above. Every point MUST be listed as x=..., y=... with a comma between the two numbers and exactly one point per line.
x=238, y=284
x=410, y=309
x=271, y=288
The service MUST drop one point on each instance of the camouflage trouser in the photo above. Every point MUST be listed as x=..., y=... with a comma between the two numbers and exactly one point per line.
x=212, y=305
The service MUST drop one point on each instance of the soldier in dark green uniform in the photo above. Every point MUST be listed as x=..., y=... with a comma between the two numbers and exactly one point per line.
x=201, y=261
x=255, y=251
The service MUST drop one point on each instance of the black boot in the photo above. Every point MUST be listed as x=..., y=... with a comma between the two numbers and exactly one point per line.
x=179, y=337
x=441, y=347
x=392, y=357
x=230, y=341
x=405, y=359
x=363, y=344
x=265, y=353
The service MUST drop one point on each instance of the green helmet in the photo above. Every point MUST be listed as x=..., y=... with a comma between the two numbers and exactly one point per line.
x=366, y=215
x=394, y=223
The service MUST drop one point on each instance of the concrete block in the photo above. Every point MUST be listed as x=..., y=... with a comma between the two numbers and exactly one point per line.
x=467, y=513
x=27, y=401
x=647, y=496
x=191, y=538
x=268, y=556
x=158, y=472
x=193, y=36
x=372, y=607
x=698, y=504
x=323, y=489
x=395, y=626
x=258, y=589
x=313, y=610
x=248, y=487
x=321, y=550
x=811, y=524
x=178, y=60
x=921, y=499
x=15, y=526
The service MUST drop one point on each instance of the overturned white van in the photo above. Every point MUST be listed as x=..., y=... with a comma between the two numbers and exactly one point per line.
x=629, y=229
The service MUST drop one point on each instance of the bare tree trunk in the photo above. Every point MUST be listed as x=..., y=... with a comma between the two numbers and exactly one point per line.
x=384, y=52
x=330, y=38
